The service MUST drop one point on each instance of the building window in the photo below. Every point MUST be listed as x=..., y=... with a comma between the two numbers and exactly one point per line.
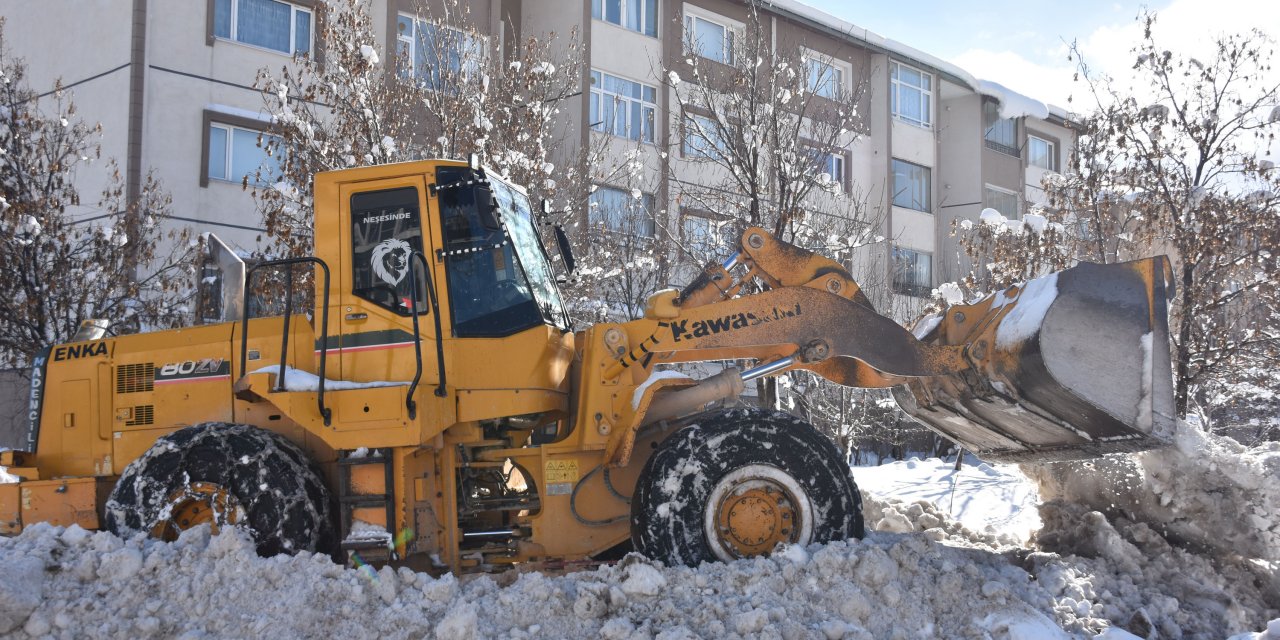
x=702, y=139
x=910, y=186
x=1042, y=153
x=234, y=155
x=1006, y=202
x=1000, y=134
x=637, y=15
x=912, y=272
x=270, y=24
x=824, y=77
x=911, y=94
x=437, y=55
x=622, y=212
x=828, y=164
x=622, y=107
x=708, y=38
x=703, y=234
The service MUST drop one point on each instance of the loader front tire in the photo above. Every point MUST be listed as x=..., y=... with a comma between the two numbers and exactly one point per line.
x=225, y=474
x=735, y=483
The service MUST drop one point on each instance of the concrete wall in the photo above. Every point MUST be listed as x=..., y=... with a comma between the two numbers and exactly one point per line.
x=960, y=149
x=186, y=76
x=102, y=26
x=557, y=20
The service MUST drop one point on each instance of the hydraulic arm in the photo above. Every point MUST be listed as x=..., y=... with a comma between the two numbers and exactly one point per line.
x=988, y=375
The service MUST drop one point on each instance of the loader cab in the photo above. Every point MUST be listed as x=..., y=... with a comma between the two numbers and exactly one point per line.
x=499, y=279
x=469, y=235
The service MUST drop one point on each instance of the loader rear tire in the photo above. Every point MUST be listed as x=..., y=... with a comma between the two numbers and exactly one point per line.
x=225, y=474
x=735, y=483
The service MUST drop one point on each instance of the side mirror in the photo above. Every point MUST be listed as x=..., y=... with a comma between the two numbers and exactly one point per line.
x=566, y=250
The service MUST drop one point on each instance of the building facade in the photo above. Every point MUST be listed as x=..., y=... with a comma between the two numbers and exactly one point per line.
x=172, y=84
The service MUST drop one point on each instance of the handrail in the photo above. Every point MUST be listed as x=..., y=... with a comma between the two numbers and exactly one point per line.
x=325, y=412
x=417, y=337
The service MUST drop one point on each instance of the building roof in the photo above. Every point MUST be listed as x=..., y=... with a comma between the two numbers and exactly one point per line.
x=1012, y=103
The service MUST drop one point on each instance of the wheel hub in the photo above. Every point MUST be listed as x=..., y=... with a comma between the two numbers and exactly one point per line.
x=195, y=504
x=754, y=516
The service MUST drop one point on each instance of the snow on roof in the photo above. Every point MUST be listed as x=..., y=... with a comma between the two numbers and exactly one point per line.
x=1012, y=103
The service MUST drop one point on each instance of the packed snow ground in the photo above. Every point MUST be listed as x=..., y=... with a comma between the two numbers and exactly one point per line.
x=994, y=499
x=923, y=574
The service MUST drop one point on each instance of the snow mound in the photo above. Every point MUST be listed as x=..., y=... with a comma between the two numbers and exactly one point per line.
x=922, y=516
x=1125, y=573
x=203, y=586
x=1202, y=492
x=997, y=502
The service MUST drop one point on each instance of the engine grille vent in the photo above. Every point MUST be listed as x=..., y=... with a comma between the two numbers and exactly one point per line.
x=144, y=414
x=131, y=378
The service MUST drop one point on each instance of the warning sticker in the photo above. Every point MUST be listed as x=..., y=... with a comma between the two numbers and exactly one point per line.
x=560, y=471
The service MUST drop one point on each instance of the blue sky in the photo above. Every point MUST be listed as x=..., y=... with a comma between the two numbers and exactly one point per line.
x=948, y=28
x=1022, y=43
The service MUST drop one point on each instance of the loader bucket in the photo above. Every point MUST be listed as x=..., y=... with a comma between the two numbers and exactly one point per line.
x=1072, y=365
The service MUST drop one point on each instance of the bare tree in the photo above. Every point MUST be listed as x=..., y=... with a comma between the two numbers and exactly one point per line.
x=1175, y=164
x=623, y=250
x=59, y=272
x=334, y=109
x=756, y=127
x=759, y=127
x=449, y=92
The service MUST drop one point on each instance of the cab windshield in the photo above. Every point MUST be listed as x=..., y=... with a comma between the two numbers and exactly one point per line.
x=500, y=281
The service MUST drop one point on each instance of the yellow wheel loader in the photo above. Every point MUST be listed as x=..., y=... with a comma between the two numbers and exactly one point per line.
x=436, y=407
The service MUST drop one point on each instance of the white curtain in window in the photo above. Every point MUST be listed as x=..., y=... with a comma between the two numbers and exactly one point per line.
x=264, y=23
x=222, y=18
x=301, y=32
x=618, y=210
x=247, y=158
x=218, y=153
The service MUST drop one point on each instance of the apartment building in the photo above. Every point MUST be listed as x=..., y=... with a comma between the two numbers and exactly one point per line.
x=172, y=84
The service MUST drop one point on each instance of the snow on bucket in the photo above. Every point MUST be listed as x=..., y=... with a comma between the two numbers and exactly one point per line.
x=1071, y=365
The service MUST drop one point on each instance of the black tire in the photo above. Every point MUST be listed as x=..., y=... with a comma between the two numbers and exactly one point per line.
x=708, y=461
x=280, y=496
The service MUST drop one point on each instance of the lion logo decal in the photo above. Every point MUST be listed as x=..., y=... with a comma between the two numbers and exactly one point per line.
x=391, y=260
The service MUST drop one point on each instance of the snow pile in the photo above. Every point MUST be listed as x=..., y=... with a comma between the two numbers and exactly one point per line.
x=1088, y=576
x=894, y=515
x=992, y=500
x=1204, y=491
x=993, y=218
x=1125, y=573
x=950, y=292
x=1272, y=633
x=62, y=581
x=1036, y=222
